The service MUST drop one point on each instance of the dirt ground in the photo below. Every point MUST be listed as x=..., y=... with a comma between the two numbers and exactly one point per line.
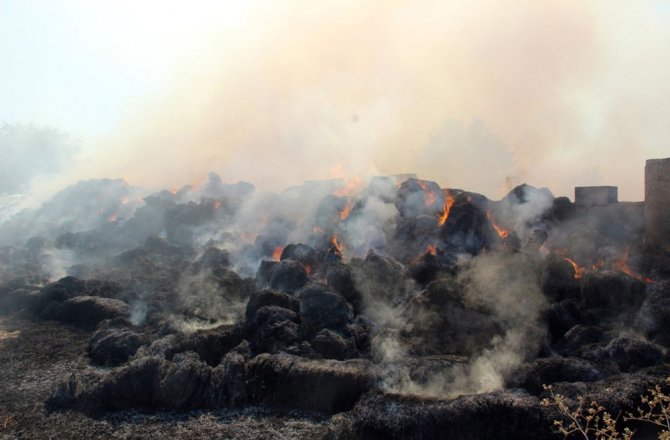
x=35, y=356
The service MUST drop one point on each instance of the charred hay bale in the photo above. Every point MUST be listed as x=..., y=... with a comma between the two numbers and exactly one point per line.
x=500, y=415
x=360, y=330
x=215, y=296
x=340, y=277
x=269, y=298
x=416, y=197
x=562, y=209
x=562, y=316
x=148, y=383
x=210, y=344
x=467, y=229
x=228, y=379
x=558, y=280
x=425, y=369
x=181, y=220
x=114, y=346
x=272, y=315
x=87, y=311
x=53, y=294
x=413, y=235
x=184, y=383
x=18, y=299
x=619, y=393
x=299, y=252
x=331, y=345
x=546, y=371
x=264, y=273
x=578, y=336
x=442, y=322
x=288, y=276
x=606, y=290
x=654, y=316
x=632, y=354
x=213, y=259
x=327, y=386
x=379, y=277
x=321, y=308
x=274, y=329
x=425, y=269
x=135, y=385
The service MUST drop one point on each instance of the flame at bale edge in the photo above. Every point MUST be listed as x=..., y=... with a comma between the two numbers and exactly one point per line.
x=276, y=253
x=502, y=233
x=347, y=210
x=338, y=248
x=428, y=197
x=449, y=201
x=621, y=264
x=351, y=186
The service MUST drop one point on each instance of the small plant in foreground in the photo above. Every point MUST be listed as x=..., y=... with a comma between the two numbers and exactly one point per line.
x=590, y=420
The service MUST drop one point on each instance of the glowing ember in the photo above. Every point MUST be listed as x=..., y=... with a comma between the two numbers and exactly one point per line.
x=431, y=249
x=354, y=184
x=308, y=269
x=347, y=209
x=448, y=203
x=428, y=197
x=276, y=254
x=502, y=233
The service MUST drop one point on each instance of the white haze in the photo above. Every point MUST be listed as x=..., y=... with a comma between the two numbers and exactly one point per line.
x=480, y=95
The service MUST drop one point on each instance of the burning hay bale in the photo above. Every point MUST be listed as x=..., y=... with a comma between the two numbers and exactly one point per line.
x=412, y=307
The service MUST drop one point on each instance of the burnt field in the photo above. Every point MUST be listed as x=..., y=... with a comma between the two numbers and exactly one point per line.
x=390, y=308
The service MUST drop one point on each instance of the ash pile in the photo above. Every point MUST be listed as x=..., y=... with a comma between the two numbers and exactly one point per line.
x=407, y=309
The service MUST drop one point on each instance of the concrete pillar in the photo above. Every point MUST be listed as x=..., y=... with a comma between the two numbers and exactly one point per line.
x=588, y=196
x=657, y=204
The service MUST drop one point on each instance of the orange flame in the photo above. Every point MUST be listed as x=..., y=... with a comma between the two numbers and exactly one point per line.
x=217, y=204
x=579, y=271
x=347, y=209
x=276, y=254
x=337, y=245
x=431, y=249
x=448, y=203
x=622, y=265
x=502, y=233
x=112, y=217
x=428, y=197
x=352, y=185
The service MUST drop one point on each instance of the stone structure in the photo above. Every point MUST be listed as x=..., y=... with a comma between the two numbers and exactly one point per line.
x=589, y=196
x=657, y=204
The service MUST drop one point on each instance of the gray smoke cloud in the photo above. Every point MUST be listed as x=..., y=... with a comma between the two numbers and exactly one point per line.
x=30, y=152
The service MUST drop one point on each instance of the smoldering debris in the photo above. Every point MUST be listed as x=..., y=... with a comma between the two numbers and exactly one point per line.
x=367, y=293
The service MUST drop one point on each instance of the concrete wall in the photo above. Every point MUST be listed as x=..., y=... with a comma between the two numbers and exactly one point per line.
x=588, y=196
x=657, y=204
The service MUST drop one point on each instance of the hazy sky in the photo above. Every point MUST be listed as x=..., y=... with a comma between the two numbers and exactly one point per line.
x=480, y=94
